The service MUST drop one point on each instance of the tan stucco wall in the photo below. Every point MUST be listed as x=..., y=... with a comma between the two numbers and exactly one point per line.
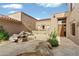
x=46, y=23
x=60, y=15
x=54, y=24
x=73, y=17
x=16, y=16
x=28, y=21
x=12, y=27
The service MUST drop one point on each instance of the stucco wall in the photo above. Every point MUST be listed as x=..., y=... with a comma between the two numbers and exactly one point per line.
x=73, y=17
x=28, y=21
x=46, y=23
x=12, y=27
x=16, y=16
x=60, y=15
x=54, y=24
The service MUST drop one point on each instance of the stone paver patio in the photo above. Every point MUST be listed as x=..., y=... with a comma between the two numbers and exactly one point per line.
x=66, y=48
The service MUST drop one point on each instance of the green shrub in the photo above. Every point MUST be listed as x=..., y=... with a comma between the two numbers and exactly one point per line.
x=3, y=35
x=53, y=39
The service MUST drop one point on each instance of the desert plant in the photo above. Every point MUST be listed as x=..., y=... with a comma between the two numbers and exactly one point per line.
x=53, y=39
x=3, y=35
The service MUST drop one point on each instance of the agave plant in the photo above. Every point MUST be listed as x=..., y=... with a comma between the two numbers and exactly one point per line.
x=53, y=39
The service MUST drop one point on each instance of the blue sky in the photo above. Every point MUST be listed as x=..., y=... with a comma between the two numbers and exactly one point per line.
x=36, y=10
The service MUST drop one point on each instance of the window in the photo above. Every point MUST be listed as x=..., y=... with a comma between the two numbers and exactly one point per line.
x=43, y=27
x=73, y=28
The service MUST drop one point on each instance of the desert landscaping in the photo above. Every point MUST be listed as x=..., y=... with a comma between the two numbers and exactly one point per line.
x=24, y=44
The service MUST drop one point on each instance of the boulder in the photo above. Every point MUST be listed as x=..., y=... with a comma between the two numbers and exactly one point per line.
x=42, y=49
x=30, y=48
x=13, y=38
x=23, y=33
x=21, y=37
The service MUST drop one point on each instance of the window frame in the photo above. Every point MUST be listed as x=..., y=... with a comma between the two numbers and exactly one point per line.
x=73, y=29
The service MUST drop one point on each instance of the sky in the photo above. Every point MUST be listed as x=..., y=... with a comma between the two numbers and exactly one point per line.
x=36, y=10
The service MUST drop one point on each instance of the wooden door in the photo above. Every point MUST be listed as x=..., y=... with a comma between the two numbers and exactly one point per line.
x=61, y=30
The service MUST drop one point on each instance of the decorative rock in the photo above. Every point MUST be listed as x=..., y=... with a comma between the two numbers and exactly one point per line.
x=28, y=33
x=23, y=33
x=42, y=49
x=13, y=38
x=21, y=37
x=32, y=47
x=20, y=40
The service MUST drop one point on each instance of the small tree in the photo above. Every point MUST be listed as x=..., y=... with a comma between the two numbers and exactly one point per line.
x=53, y=39
x=3, y=34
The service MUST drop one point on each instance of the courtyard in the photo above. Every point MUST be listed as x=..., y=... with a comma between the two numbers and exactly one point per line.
x=24, y=34
x=66, y=48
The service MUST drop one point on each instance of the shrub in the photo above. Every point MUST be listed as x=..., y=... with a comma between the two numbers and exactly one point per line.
x=3, y=35
x=53, y=39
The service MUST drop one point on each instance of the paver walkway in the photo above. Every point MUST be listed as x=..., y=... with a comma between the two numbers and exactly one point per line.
x=66, y=48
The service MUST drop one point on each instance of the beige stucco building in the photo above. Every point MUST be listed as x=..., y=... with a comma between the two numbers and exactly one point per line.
x=59, y=23
x=11, y=25
x=67, y=23
x=19, y=21
x=43, y=24
x=73, y=23
x=27, y=20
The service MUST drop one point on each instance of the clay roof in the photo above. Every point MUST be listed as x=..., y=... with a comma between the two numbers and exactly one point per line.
x=4, y=17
